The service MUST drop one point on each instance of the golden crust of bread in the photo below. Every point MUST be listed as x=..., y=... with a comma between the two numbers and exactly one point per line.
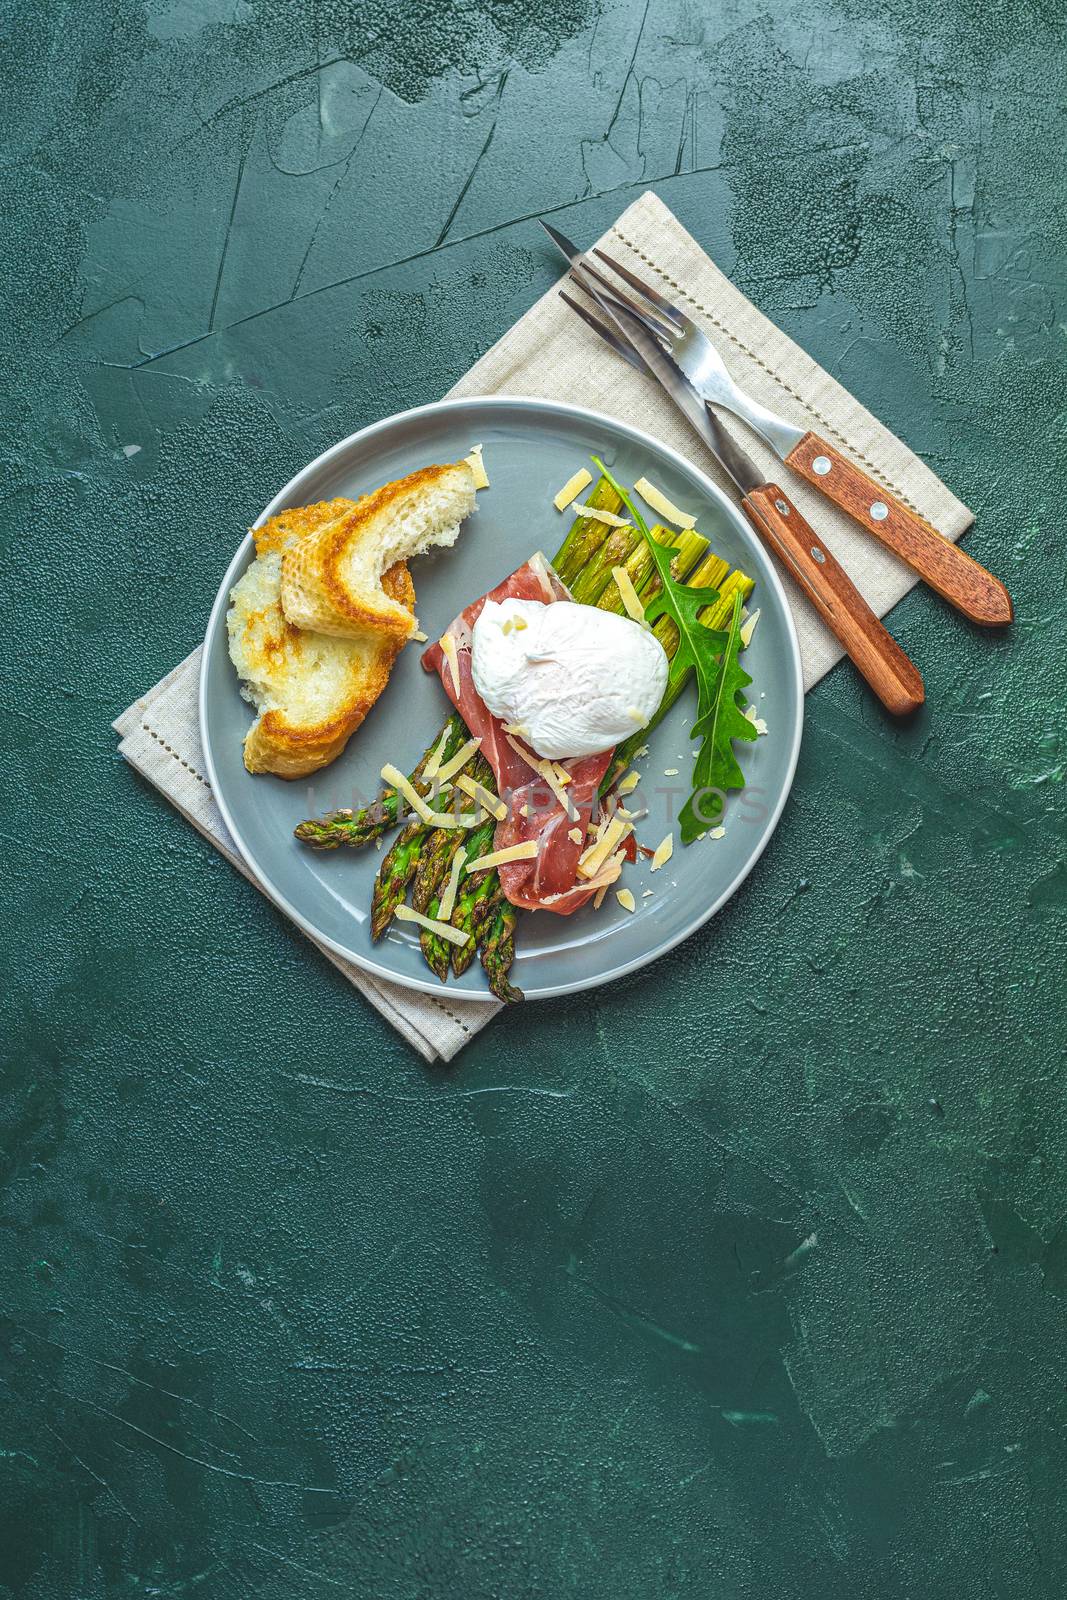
x=270, y=653
x=296, y=523
x=317, y=591
x=275, y=743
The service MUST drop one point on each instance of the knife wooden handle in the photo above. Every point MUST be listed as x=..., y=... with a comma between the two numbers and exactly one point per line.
x=955, y=576
x=893, y=677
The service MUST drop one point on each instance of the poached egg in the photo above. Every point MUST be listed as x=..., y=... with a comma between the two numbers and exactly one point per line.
x=575, y=680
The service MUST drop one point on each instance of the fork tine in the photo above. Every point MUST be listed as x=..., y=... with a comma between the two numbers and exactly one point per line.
x=617, y=343
x=661, y=303
x=648, y=317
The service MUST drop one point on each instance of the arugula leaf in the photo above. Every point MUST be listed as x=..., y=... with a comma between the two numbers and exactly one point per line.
x=716, y=767
x=711, y=655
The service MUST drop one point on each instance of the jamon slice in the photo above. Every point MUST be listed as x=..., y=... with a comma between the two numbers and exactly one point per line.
x=550, y=881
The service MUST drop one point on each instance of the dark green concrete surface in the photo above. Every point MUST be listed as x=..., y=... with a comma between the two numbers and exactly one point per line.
x=747, y=1278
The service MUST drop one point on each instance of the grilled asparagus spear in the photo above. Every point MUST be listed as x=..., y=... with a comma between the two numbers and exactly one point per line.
x=436, y=951
x=587, y=534
x=363, y=827
x=496, y=946
x=394, y=875
x=471, y=907
x=438, y=848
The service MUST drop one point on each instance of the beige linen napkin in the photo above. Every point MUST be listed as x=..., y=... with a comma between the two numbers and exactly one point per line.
x=550, y=354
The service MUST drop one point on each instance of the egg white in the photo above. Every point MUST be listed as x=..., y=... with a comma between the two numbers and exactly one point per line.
x=575, y=679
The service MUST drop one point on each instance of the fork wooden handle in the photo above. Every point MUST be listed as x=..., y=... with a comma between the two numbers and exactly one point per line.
x=943, y=565
x=894, y=678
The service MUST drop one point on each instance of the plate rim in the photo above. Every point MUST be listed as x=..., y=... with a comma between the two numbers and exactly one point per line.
x=216, y=618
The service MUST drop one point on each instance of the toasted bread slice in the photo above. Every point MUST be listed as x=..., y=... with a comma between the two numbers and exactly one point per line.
x=332, y=578
x=312, y=691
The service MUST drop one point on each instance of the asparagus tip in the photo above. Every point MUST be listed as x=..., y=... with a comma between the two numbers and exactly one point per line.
x=506, y=991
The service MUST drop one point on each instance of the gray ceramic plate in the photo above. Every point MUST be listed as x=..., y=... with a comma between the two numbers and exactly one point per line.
x=531, y=448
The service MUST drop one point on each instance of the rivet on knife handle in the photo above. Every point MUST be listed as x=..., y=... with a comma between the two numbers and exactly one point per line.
x=955, y=576
x=894, y=678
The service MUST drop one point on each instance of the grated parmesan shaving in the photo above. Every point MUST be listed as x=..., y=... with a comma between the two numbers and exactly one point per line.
x=491, y=803
x=433, y=766
x=420, y=637
x=663, y=853
x=626, y=899
x=609, y=873
x=575, y=835
x=523, y=754
x=717, y=833
x=500, y=858
x=448, y=649
x=434, y=819
x=545, y=770
x=573, y=488
x=604, y=516
x=554, y=776
x=457, y=762
x=662, y=506
x=624, y=583
x=443, y=930
x=594, y=857
x=477, y=466
x=448, y=899
x=748, y=628
x=630, y=782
